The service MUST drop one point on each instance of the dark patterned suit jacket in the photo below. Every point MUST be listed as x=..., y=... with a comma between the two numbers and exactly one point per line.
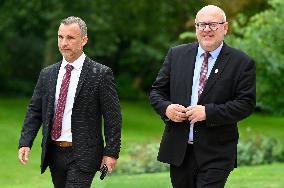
x=95, y=97
x=228, y=97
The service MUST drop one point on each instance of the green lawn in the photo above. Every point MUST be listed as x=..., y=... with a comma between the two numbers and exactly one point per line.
x=265, y=176
x=140, y=125
x=270, y=176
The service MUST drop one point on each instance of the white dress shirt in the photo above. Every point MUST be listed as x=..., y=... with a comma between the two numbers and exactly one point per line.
x=66, y=134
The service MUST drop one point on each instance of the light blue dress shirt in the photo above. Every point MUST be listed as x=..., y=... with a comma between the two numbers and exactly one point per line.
x=198, y=63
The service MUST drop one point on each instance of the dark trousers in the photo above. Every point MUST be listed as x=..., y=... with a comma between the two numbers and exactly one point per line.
x=64, y=171
x=188, y=175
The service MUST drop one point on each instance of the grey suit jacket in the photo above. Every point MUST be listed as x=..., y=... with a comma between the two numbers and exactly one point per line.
x=228, y=97
x=95, y=98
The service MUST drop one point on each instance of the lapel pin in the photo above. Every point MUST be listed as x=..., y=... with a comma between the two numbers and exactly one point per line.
x=216, y=71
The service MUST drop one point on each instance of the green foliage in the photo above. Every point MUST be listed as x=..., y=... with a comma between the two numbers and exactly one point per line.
x=234, y=7
x=264, y=176
x=259, y=149
x=187, y=36
x=128, y=88
x=256, y=150
x=23, y=33
x=262, y=38
x=131, y=37
x=140, y=125
x=141, y=159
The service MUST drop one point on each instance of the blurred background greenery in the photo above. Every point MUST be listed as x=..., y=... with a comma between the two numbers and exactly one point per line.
x=132, y=37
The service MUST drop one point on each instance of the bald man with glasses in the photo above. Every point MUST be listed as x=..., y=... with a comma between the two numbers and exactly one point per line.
x=201, y=92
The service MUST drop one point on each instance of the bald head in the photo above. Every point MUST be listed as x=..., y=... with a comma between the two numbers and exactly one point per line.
x=211, y=27
x=211, y=9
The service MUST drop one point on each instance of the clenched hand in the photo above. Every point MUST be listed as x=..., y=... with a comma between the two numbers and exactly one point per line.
x=176, y=112
x=110, y=163
x=196, y=113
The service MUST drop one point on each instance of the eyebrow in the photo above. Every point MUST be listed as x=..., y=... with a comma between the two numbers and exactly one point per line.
x=68, y=36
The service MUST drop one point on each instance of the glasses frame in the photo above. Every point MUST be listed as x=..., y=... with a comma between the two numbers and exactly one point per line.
x=210, y=24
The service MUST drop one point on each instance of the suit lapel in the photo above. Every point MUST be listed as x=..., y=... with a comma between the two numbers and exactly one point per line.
x=216, y=71
x=190, y=58
x=53, y=81
x=83, y=76
x=52, y=89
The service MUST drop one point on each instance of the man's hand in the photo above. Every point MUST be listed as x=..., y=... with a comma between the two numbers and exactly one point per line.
x=23, y=155
x=196, y=113
x=176, y=112
x=110, y=162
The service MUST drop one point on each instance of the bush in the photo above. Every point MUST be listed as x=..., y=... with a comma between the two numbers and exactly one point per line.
x=259, y=149
x=256, y=150
x=128, y=90
x=262, y=38
x=141, y=159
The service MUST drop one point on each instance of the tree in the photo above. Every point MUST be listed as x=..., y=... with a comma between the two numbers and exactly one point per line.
x=131, y=37
x=262, y=38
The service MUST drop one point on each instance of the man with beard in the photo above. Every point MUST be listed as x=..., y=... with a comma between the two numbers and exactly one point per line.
x=69, y=101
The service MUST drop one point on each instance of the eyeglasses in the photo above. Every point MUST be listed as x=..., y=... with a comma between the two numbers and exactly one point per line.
x=212, y=25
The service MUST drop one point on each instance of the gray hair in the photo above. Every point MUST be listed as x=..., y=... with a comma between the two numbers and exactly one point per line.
x=77, y=20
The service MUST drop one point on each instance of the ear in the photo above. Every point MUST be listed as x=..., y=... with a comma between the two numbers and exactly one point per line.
x=226, y=27
x=84, y=40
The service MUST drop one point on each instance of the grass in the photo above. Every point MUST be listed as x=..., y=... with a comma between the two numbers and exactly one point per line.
x=140, y=125
x=265, y=176
x=269, y=176
x=262, y=124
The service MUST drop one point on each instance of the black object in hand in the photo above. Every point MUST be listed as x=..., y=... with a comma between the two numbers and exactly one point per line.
x=104, y=171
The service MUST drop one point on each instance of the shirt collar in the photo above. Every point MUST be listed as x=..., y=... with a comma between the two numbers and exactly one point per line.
x=77, y=64
x=214, y=54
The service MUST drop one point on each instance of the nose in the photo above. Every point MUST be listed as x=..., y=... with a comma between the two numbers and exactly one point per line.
x=207, y=28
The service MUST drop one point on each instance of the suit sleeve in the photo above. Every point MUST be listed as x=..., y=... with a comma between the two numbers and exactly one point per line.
x=242, y=105
x=112, y=115
x=160, y=91
x=33, y=118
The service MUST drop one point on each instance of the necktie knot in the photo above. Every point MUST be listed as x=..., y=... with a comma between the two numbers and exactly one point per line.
x=206, y=55
x=69, y=68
